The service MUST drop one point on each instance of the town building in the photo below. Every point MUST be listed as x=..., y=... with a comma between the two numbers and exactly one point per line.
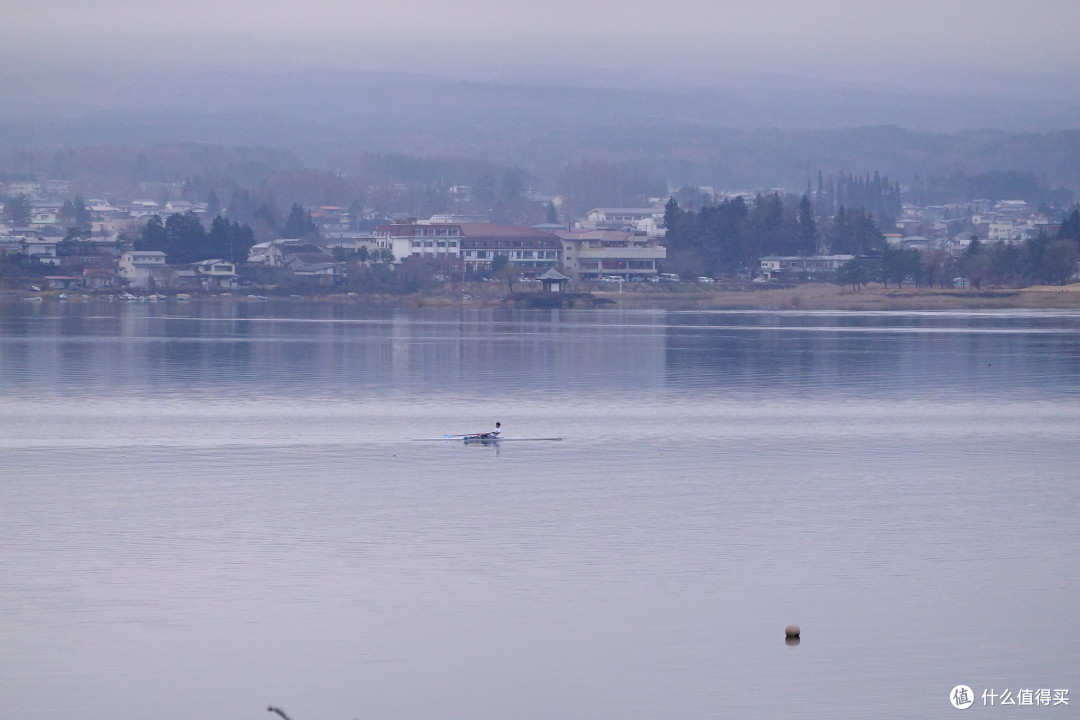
x=41, y=248
x=649, y=219
x=99, y=278
x=324, y=271
x=279, y=253
x=216, y=273
x=1011, y=230
x=474, y=245
x=61, y=282
x=592, y=254
x=144, y=268
x=29, y=188
x=773, y=267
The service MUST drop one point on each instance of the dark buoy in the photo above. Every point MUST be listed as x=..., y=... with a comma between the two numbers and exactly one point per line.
x=792, y=631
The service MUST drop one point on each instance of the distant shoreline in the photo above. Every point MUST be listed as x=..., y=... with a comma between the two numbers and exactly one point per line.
x=810, y=297
x=872, y=298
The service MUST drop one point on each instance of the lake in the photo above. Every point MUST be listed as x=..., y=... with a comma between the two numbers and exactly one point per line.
x=209, y=509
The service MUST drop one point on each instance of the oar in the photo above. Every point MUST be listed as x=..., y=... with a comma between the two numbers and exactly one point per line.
x=526, y=439
x=499, y=439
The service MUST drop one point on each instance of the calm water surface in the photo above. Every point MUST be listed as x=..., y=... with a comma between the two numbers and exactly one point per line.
x=211, y=509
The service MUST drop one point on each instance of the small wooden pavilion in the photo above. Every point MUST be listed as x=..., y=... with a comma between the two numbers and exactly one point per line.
x=554, y=281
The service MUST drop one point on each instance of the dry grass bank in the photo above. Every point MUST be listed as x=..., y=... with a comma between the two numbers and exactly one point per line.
x=815, y=296
x=832, y=297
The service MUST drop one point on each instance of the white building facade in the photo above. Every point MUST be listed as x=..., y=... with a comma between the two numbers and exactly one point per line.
x=144, y=268
x=594, y=254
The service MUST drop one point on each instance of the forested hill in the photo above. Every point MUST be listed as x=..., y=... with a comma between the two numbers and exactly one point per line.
x=732, y=158
x=769, y=132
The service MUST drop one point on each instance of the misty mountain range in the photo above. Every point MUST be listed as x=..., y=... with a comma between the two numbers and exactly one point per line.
x=739, y=131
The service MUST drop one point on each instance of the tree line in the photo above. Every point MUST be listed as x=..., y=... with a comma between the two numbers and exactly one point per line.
x=732, y=235
x=992, y=185
x=1041, y=260
x=184, y=240
x=876, y=194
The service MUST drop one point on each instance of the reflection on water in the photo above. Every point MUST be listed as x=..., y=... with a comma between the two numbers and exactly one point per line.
x=209, y=509
x=339, y=351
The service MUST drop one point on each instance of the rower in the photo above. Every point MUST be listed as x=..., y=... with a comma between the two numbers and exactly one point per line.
x=495, y=432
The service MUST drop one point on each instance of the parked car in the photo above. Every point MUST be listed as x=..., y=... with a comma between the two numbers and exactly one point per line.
x=614, y=278
x=704, y=279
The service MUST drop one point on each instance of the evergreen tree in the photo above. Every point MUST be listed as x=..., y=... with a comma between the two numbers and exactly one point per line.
x=1034, y=250
x=854, y=232
x=975, y=263
x=731, y=236
x=720, y=233
x=299, y=223
x=765, y=222
x=1059, y=260
x=1070, y=227
x=263, y=214
x=769, y=229
x=66, y=215
x=671, y=216
x=242, y=241
x=806, y=228
x=213, y=203
x=229, y=240
x=185, y=239
x=152, y=236
x=17, y=210
x=219, y=239
x=241, y=206
x=1006, y=263
x=82, y=214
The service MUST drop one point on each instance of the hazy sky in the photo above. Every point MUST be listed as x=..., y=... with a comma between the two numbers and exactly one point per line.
x=967, y=42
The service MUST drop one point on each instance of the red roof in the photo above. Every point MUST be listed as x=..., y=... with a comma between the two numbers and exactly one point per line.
x=478, y=230
x=470, y=230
